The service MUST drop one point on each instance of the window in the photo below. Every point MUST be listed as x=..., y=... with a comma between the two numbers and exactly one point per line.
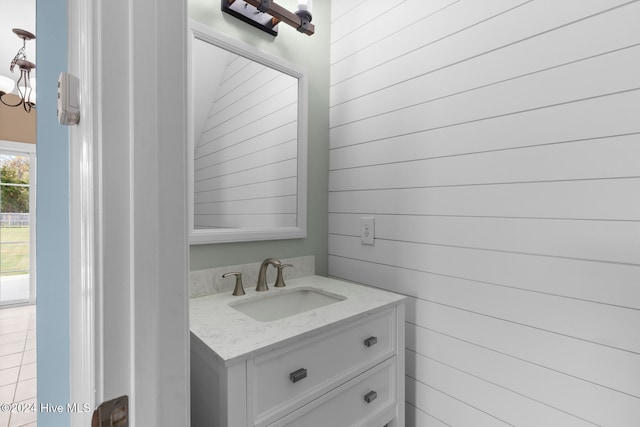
x=17, y=227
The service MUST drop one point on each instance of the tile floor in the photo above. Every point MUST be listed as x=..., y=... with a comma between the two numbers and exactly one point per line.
x=18, y=364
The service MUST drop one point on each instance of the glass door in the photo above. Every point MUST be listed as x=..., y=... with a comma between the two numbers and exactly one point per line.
x=16, y=227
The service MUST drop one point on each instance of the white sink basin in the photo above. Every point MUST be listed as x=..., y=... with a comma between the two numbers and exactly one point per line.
x=280, y=304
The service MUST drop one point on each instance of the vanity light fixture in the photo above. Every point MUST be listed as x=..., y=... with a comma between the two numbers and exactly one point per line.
x=25, y=91
x=267, y=14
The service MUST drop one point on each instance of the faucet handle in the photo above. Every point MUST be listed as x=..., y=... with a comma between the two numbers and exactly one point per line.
x=238, y=290
x=280, y=280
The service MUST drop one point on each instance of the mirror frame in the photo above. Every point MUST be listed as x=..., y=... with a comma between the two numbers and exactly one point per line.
x=202, y=32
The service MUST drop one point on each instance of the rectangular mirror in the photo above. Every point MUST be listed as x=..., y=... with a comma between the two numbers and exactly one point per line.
x=247, y=142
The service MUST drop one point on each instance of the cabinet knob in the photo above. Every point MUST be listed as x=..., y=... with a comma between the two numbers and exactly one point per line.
x=370, y=397
x=370, y=341
x=298, y=375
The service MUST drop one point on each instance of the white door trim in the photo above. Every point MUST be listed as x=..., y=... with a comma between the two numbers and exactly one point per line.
x=129, y=250
x=85, y=361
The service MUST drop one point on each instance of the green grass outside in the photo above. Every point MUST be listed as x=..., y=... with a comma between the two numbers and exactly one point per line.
x=14, y=250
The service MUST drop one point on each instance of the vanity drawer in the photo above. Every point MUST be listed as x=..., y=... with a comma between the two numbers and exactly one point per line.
x=367, y=400
x=291, y=377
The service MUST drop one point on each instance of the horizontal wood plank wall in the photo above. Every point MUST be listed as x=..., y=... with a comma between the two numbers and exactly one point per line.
x=497, y=146
x=245, y=168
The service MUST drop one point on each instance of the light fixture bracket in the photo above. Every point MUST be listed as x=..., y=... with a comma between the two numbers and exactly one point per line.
x=267, y=14
x=264, y=6
x=24, y=34
x=255, y=15
x=305, y=20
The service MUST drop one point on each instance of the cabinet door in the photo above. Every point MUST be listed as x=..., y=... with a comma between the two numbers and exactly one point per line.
x=367, y=400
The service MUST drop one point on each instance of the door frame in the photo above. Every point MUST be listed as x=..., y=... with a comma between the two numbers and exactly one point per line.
x=85, y=333
x=129, y=329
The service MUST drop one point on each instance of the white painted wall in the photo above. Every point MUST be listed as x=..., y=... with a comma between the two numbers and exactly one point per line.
x=496, y=143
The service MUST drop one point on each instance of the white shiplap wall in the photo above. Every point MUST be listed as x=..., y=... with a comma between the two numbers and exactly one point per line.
x=245, y=168
x=497, y=145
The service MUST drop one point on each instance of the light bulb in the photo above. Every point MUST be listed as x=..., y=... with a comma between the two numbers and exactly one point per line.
x=6, y=84
x=305, y=5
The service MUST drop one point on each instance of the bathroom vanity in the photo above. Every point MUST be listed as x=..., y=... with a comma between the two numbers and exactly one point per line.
x=336, y=358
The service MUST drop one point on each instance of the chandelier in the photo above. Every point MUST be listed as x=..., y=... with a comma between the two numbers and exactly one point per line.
x=25, y=91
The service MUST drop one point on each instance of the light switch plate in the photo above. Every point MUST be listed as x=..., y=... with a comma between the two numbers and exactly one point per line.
x=68, y=99
x=367, y=230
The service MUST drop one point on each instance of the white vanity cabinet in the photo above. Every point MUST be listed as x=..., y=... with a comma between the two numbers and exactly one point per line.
x=339, y=366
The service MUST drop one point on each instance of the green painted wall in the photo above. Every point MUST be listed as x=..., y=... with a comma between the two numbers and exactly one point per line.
x=311, y=52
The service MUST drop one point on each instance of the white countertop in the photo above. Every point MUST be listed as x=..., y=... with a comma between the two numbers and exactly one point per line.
x=235, y=337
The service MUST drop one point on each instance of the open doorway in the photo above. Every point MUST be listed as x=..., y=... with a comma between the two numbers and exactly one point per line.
x=18, y=370
x=17, y=220
x=17, y=152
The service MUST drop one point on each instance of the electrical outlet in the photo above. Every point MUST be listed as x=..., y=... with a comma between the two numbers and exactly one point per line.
x=367, y=230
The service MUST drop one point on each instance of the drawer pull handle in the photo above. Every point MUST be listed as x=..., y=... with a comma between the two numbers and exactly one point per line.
x=370, y=341
x=298, y=375
x=370, y=397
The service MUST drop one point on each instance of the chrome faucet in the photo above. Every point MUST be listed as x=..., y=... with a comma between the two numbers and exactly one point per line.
x=262, y=274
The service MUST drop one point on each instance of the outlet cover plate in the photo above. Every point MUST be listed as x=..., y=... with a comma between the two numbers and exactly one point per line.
x=367, y=230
